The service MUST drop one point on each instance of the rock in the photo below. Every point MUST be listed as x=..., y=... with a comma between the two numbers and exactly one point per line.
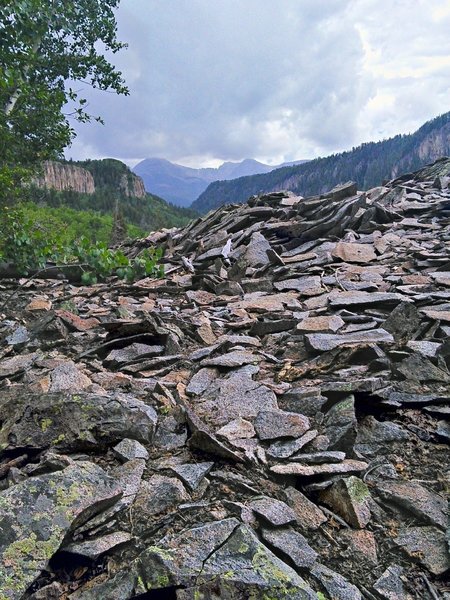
x=237, y=429
x=119, y=587
x=336, y=586
x=361, y=543
x=201, y=381
x=375, y=437
x=292, y=545
x=319, y=458
x=274, y=511
x=350, y=498
x=340, y=425
x=323, y=342
x=37, y=514
x=129, y=449
x=74, y=421
x=255, y=254
x=309, y=516
x=17, y=364
x=192, y=474
x=286, y=448
x=305, y=286
x=355, y=299
x=157, y=496
x=325, y=323
x=132, y=353
x=428, y=507
x=390, y=585
x=67, y=377
x=346, y=466
x=272, y=424
x=92, y=549
x=427, y=545
x=237, y=358
x=403, y=322
x=352, y=252
x=20, y=335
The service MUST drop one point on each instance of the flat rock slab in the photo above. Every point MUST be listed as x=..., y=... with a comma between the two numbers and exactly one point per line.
x=237, y=429
x=309, y=516
x=92, y=549
x=328, y=324
x=428, y=507
x=273, y=424
x=38, y=513
x=132, y=353
x=346, y=466
x=427, y=545
x=68, y=377
x=286, y=448
x=354, y=253
x=390, y=585
x=336, y=586
x=237, y=358
x=274, y=511
x=292, y=545
x=74, y=421
x=16, y=364
x=323, y=342
x=345, y=299
x=129, y=449
x=305, y=286
x=236, y=395
x=193, y=474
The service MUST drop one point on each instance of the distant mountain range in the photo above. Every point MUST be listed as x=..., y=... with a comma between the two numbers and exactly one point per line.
x=368, y=165
x=182, y=185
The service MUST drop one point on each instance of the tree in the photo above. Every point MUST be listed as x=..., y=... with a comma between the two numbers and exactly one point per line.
x=45, y=47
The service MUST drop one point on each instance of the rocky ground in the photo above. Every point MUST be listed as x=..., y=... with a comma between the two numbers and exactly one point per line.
x=268, y=421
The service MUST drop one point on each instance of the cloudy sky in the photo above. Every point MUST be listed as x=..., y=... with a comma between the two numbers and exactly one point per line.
x=275, y=80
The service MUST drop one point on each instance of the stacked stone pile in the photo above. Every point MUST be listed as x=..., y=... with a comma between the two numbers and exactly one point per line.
x=270, y=420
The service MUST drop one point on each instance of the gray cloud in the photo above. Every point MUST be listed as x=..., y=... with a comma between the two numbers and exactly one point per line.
x=281, y=80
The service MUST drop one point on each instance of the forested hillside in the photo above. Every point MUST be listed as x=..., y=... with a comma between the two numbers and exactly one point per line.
x=116, y=188
x=368, y=165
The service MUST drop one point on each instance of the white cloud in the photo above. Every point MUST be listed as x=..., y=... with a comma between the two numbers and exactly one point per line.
x=276, y=81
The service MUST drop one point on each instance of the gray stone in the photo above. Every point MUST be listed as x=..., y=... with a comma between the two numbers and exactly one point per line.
x=292, y=545
x=17, y=364
x=193, y=474
x=237, y=429
x=390, y=585
x=346, y=466
x=255, y=254
x=350, y=498
x=309, y=516
x=201, y=381
x=119, y=587
x=273, y=424
x=428, y=507
x=319, y=458
x=93, y=549
x=132, y=353
x=341, y=425
x=274, y=511
x=37, y=514
x=67, y=377
x=286, y=448
x=236, y=358
x=305, y=286
x=266, y=327
x=74, y=421
x=356, y=298
x=129, y=449
x=19, y=336
x=354, y=253
x=233, y=396
x=323, y=342
x=375, y=437
x=336, y=586
x=427, y=545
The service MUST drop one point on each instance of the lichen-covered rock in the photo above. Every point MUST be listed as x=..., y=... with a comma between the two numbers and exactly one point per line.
x=73, y=421
x=37, y=514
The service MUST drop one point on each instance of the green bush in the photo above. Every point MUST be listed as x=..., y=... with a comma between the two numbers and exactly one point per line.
x=30, y=244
